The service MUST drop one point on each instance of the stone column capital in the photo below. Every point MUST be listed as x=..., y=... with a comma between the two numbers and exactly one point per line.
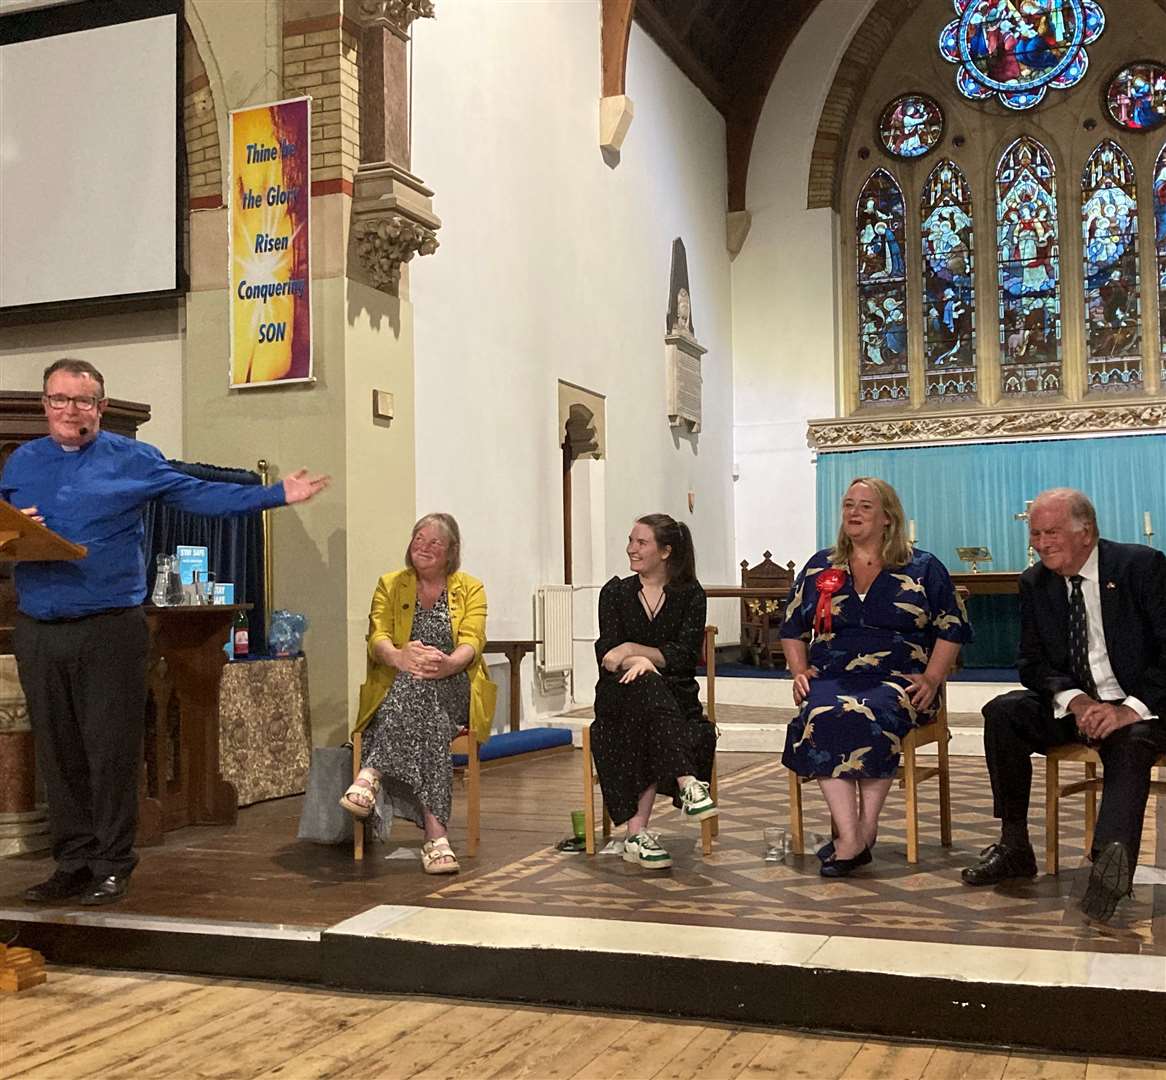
x=395, y=15
x=392, y=220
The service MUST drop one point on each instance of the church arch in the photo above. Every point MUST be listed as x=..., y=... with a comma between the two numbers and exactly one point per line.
x=204, y=118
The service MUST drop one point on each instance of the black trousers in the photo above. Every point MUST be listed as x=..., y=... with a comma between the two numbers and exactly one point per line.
x=85, y=681
x=640, y=737
x=1020, y=723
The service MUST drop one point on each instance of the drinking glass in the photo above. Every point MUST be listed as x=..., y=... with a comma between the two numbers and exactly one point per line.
x=204, y=586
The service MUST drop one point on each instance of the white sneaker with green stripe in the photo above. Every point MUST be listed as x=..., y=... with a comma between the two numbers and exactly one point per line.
x=644, y=848
x=697, y=802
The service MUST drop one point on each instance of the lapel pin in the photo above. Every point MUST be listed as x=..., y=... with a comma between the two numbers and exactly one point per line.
x=1110, y=585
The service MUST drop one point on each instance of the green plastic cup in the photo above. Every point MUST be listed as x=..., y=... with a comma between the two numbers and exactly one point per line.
x=579, y=824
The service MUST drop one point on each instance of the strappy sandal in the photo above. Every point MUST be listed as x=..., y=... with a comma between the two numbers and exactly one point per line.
x=437, y=857
x=361, y=796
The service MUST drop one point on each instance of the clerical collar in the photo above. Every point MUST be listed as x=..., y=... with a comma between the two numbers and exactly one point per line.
x=69, y=449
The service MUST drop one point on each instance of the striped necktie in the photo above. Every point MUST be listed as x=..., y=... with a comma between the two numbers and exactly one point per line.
x=1079, y=640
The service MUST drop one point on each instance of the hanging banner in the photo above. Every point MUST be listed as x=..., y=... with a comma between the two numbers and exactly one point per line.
x=269, y=234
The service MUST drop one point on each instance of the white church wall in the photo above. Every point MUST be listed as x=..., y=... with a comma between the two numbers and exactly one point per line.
x=784, y=285
x=139, y=353
x=554, y=265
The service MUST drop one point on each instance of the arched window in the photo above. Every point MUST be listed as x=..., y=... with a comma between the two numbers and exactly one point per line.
x=1109, y=238
x=882, y=292
x=1028, y=274
x=1160, y=247
x=949, y=307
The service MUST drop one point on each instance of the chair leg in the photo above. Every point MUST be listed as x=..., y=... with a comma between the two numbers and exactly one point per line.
x=473, y=797
x=1052, y=797
x=944, y=779
x=1090, y=806
x=797, y=838
x=588, y=793
x=714, y=823
x=911, y=784
x=357, y=825
x=606, y=819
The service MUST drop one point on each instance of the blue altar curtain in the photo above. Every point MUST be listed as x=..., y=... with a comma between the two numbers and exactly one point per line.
x=234, y=545
x=965, y=496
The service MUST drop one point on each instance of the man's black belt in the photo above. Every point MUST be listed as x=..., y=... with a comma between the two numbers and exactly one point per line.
x=82, y=618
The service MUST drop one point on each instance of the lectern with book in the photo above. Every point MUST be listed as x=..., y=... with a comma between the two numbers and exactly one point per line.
x=23, y=539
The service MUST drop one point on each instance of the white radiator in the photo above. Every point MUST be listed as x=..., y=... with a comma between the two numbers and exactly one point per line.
x=554, y=626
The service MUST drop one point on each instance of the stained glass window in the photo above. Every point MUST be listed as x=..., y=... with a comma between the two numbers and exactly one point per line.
x=1136, y=96
x=949, y=310
x=1160, y=247
x=1028, y=254
x=1109, y=237
x=1019, y=49
x=882, y=292
x=911, y=125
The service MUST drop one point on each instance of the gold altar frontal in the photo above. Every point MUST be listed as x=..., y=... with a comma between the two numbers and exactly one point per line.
x=895, y=950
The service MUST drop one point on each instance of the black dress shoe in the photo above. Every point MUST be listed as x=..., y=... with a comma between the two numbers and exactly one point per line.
x=999, y=863
x=63, y=885
x=836, y=867
x=106, y=890
x=1110, y=881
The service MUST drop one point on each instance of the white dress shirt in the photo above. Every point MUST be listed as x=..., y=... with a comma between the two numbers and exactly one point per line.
x=1108, y=688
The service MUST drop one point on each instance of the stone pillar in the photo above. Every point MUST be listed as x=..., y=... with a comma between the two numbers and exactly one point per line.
x=23, y=822
x=355, y=422
x=392, y=212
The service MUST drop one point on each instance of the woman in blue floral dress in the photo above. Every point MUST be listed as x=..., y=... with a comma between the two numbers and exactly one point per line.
x=871, y=632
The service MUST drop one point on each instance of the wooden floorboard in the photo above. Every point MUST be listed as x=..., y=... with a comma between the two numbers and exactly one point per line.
x=145, y=1026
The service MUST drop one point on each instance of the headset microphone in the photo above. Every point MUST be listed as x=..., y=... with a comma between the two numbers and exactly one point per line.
x=84, y=432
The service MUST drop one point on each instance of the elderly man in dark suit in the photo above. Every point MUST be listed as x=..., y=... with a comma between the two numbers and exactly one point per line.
x=1093, y=660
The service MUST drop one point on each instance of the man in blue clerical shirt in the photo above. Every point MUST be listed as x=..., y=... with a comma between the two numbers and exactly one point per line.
x=81, y=641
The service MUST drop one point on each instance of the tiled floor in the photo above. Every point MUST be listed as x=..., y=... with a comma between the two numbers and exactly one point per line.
x=890, y=899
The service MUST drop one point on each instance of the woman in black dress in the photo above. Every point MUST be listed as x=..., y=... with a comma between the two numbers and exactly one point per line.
x=648, y=736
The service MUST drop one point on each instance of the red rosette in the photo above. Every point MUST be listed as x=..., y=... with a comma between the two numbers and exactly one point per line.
x=828, y=582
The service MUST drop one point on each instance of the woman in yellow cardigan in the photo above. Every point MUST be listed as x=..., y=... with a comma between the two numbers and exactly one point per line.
x=426, y=681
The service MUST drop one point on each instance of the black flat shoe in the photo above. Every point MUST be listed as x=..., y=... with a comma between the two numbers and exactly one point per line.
x=107, y=890
x=1110, y=881
x=63, y=885
x=999, y=863
x=835, y=868
x=826, y=852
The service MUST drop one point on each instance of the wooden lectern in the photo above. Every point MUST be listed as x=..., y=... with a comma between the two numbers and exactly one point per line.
x=24, y=540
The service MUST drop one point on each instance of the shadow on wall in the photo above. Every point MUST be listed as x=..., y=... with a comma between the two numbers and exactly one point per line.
x=686, y=435
x=380, y=307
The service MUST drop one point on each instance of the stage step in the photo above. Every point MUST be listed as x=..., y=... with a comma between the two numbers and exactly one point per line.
x=752, y=728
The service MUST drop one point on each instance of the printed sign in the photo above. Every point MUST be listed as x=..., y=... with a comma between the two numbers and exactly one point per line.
x=270, y=275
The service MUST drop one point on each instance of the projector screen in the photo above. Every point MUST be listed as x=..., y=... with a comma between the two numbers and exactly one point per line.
x=89, y=127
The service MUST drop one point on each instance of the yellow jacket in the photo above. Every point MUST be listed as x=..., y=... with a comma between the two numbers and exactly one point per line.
x=391, y=618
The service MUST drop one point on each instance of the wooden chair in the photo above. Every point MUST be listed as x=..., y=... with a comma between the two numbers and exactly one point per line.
x=1091, y=785
x=464, y=743
x=910, y=775
x=761, y=619
x=709, y=828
